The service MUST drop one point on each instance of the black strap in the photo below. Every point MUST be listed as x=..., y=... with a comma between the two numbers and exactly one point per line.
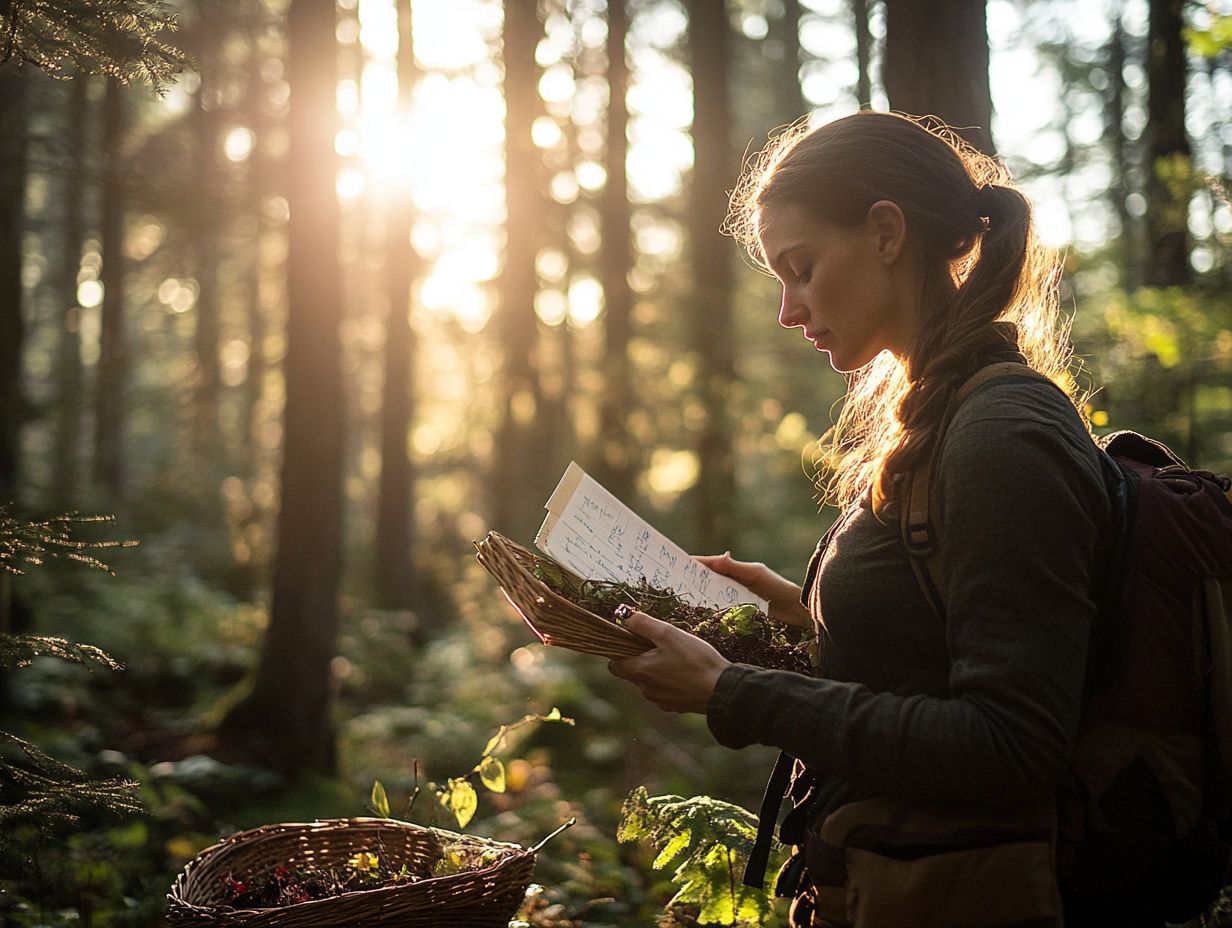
x=767, y=818
x=920, y=518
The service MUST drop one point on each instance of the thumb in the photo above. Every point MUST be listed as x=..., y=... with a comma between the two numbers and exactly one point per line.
x=647, y=626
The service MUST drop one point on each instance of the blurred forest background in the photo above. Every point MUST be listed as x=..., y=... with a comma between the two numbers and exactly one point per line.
x=310, y=295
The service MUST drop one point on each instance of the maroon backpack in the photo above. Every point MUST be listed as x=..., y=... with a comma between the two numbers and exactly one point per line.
x=1150, y=801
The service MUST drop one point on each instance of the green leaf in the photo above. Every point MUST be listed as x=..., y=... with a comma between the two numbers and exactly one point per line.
x=461, y=799
x=553, y=716
x=672, y=850
x=740, y=620
x=492, y=773
x=379, y=800
x=494, y=741
x=706, y=844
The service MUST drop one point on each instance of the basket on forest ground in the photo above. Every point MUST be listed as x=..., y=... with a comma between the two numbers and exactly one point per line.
x=486, y=896
x=554, y=619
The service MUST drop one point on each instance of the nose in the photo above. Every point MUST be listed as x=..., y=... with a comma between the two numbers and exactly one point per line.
x=792, y=311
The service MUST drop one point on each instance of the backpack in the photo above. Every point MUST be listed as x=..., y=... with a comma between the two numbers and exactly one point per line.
x=1149, y=806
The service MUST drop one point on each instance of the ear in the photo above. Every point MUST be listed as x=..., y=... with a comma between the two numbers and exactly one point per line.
x=888, y=227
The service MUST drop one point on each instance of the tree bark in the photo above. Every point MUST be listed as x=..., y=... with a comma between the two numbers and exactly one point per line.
x=516, y=506
x=617, y=453
x=111, y=387
x=714, y=168
x=285, y=721
x=1167, y=145
x=395, y=581
x=13, y=95
x=936, y=64
x=66, y=441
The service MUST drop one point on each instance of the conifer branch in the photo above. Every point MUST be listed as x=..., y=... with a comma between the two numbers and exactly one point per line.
x=124, y=39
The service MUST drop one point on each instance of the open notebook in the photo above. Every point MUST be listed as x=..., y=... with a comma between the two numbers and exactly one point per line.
x=593, y=534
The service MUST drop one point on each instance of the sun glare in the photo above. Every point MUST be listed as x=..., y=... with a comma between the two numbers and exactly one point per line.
x=446, y=148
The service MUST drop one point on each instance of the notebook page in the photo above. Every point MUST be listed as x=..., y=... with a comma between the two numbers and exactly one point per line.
x=596, y=536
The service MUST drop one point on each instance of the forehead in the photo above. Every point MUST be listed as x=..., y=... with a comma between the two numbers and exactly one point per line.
x=778, y=220
x=782, y=225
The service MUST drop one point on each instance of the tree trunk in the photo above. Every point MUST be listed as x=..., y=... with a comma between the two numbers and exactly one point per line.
x=1167, y=147
x=714, y=167
x=617, y=452
x=258, y=178
x=864, y=53
x=13, y=95
x=936, y=63
x=110, y=400
x=285, y=721
x=1118, y=146
x=66, y=440
x=206, y=383
x=395, y=580
x=785, y=30
x=517, y=479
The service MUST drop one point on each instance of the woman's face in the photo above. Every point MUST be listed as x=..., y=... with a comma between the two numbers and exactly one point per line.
x=842, y=285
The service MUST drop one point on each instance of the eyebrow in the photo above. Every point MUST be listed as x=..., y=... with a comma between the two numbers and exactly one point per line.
x=777, y=260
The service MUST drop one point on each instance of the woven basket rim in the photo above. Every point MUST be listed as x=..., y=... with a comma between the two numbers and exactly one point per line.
x=504, y=547
x=514, y=852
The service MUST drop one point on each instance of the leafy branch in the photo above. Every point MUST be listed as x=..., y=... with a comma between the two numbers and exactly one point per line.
x=458, y=794
x=706, y=843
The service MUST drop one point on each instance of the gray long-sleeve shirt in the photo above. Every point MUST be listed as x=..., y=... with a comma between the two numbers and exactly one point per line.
x=985, y=706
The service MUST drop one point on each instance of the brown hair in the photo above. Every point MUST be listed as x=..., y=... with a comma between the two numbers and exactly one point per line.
x=989, y=285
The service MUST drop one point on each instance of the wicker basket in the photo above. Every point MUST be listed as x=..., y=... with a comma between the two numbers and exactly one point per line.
x=555, y=620
x=484, y=897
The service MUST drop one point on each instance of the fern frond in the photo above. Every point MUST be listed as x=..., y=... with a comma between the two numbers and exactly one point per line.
x=706, y=843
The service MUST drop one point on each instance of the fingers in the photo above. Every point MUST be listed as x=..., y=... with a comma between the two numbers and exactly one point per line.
x=723, y=564
x=648, y=627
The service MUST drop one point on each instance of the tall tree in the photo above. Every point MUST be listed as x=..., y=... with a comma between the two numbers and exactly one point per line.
x=515, y=505
x=864, y=53
x=111, y=384
x=1167, y=147
x=12, y=209
x=784, y=32
x=617, y=453
x=285, y=720
x=714, y=165
x=206, y=216
x=1119, y=148
x=395, y=580
x=936, y=63
x=66, y=441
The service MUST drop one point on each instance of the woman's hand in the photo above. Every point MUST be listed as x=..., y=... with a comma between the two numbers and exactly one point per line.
x=781, y=595
x=679, y=673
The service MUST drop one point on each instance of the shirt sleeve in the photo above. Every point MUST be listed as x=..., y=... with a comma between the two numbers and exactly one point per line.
x=1024, y=502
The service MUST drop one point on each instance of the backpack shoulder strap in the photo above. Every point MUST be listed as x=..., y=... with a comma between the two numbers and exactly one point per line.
x=919, y=518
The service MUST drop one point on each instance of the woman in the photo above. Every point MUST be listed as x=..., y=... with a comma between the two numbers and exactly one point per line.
x=909, y=260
